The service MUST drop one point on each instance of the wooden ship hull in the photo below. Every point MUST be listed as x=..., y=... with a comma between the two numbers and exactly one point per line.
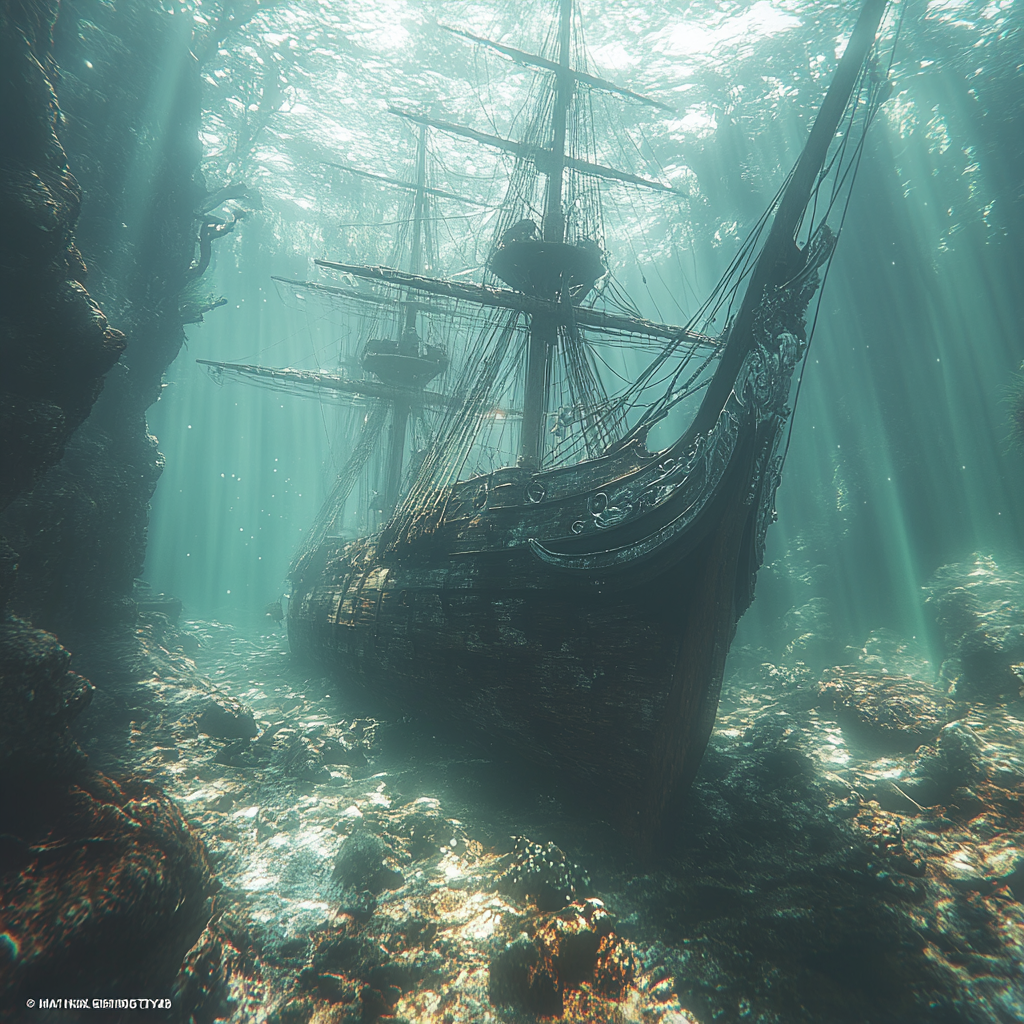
x=581, y=616
x=610, y=680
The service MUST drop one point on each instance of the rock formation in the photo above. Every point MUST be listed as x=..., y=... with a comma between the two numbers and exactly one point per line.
x=104, y=886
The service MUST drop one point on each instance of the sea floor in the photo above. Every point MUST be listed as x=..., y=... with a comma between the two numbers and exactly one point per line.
x=853, y=851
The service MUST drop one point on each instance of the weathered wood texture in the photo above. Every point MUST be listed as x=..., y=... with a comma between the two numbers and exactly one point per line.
x=611, y=681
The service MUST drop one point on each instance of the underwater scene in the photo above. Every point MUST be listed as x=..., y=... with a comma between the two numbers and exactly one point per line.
x=512, y=512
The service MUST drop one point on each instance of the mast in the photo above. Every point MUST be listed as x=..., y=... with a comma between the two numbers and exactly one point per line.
x=409, y=342
x=322, y=384
x=504, y=298
x=540, y=156
x=555, y=263
x=544, y=329
x=554, y=219
x=419, y=216
x=533, y=60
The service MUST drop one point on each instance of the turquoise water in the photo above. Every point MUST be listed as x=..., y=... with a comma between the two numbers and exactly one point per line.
x=901, y=457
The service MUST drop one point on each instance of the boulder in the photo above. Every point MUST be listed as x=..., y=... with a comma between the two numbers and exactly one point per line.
x=105, y=889
x=104, y=886
x=554, y=953
x=542, y=874
x=883, y=712
x=228, y=719
x=360, y=864
x=979, y=609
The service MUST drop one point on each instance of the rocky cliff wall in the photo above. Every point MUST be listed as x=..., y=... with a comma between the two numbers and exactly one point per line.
x=103, y=885
x=129, y=92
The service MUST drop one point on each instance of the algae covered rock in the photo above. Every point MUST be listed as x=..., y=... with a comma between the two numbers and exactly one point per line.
x=542, y=874
x=891, y=713
x=105, y=887
x=39, y=696
x=227, y=718
x=573, y=949
x=979, y=608
x=361, y=865
x=953, y=763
